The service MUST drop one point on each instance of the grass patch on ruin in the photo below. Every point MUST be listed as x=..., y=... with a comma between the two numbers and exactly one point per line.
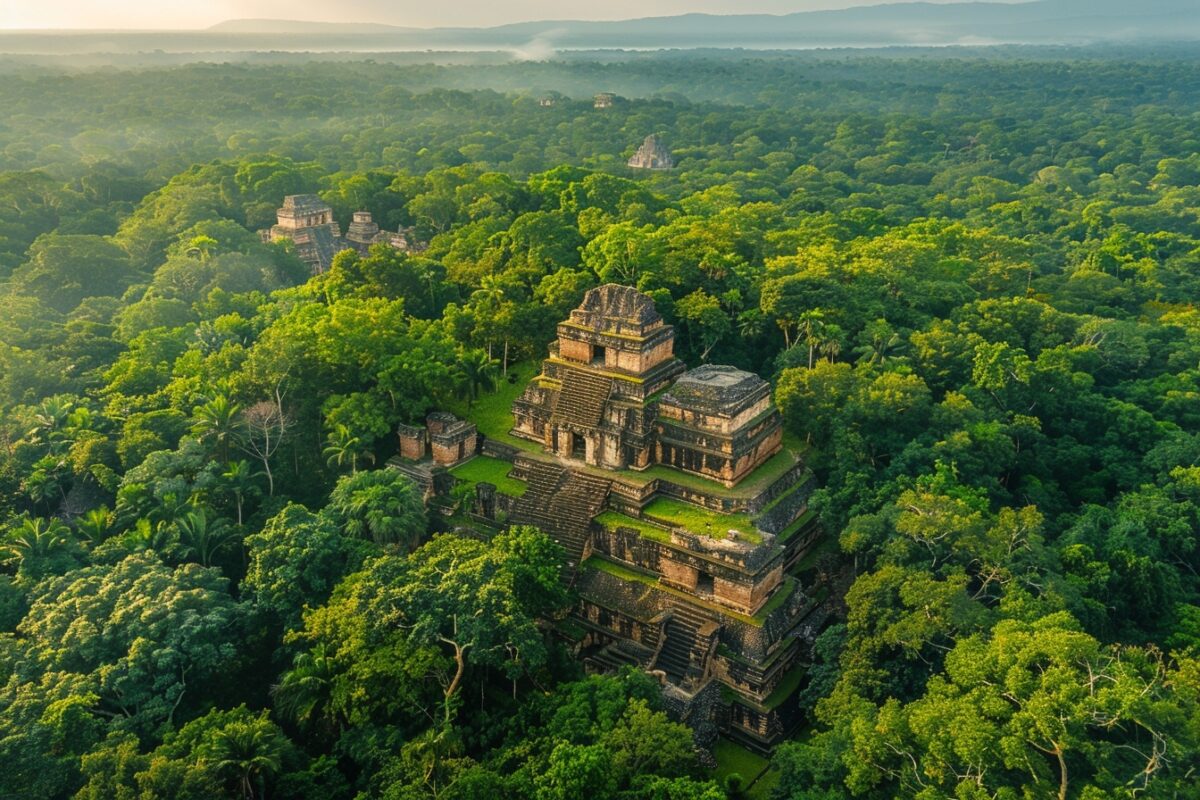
x=490, y=470
x=733, y=758
x=784, y=495
x=701, y=520
x=492, y=410
x=827, y=545
x=786, y=687
x=612, y=520
x=754, y=483
x=803, y=521
x=779, y=598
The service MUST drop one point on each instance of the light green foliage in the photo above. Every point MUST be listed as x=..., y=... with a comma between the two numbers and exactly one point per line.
x=381, y=505
x=405, y=625
x=149, y=637
x=297, y=559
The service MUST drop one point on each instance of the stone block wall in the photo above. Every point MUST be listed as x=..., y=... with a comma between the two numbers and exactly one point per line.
x=449, y=449
x=575, y=350
x=440, y=421
x=412, y=441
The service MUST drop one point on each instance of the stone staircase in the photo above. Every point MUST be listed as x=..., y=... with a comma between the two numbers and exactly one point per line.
x=534, y=506
x=689, y=638
x=616, y=655
x=581, y=400
x=562, y=503
x=419, y=473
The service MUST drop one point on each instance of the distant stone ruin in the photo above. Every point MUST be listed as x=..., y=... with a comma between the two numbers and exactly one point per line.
x=308, y=221
x=653, y=154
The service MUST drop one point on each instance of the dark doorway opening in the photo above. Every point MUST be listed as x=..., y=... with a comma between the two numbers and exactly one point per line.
x=578, y=447
x=704, y=584
x=599, y=354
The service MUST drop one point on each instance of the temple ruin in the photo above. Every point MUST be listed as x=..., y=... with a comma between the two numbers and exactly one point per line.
x=682, y=511
x=653, y=154
x=308, y=221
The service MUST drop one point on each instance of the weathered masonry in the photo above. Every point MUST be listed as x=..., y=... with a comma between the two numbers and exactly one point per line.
x=653, y=154
x=308, y=221
x=682, y=512
x=611, y=395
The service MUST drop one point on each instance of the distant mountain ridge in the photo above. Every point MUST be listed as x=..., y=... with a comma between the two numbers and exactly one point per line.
x=1040, y=21
x=301, y=26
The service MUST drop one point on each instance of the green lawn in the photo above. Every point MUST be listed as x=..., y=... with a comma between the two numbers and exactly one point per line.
x=492, y=410
x=731, y=758
x=615, y=519
x=777, y=599
x=490, y=470
x=700, y=520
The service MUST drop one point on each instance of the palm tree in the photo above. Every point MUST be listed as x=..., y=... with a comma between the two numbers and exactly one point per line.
x=382, y=505
x=147, y=535
x=344, y=446
x=217, y=421
x=201, y=247
x=480, y=371
x=169, y=508
x=305, y=693
x=811, y=323
x=880, y=344
x=45, y=486
x=202, y=537
x=94, y=525
x=240, y=478
x=488, y=298
x=35, y=538
x=751, y=323
x=830, y=342
x=50, y=417
x=249, y=752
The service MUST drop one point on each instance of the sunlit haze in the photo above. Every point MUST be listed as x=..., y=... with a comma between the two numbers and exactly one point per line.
x=174, y=14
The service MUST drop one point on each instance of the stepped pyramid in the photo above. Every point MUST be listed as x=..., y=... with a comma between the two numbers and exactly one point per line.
x=653, y=154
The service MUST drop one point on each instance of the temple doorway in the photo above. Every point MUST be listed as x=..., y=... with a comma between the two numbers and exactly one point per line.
x=578, y=447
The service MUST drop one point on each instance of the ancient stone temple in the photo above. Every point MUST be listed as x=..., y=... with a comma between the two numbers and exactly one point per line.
x=718, y=422
x=682, y=512
x=364, y=232
x=653, y=154
x=308, y=221
x=590, y=402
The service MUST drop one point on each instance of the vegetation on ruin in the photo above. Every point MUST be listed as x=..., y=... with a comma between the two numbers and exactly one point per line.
x=972, y=277
x=695, y=519
x=490, y=470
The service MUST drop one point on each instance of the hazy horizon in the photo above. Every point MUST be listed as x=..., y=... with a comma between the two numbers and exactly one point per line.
x=147, y=15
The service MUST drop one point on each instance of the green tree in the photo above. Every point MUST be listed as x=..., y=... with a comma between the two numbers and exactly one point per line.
x=296, y=560
x=380, y=505
x=342, y=447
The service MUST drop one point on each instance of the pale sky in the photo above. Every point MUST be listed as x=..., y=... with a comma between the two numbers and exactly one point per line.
x=177, y=14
